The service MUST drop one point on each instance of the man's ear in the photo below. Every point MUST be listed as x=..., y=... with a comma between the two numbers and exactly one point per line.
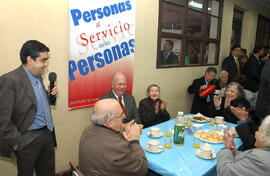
x=29, y=60
x=108, y=123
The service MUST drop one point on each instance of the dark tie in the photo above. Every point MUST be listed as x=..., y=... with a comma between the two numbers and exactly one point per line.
x=121, y=104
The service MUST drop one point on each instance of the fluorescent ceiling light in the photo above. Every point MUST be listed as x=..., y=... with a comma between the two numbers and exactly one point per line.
x=196, y=5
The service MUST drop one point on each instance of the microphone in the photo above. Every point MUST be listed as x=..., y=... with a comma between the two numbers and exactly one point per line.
x=52, y=79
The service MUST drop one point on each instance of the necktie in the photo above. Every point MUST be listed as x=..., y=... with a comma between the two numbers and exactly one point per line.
x=237, y=65
x=46, y=108
x=121, y=104
x=208, y=97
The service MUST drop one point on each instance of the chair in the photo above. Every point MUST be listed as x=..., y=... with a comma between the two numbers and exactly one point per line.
x=75, y=171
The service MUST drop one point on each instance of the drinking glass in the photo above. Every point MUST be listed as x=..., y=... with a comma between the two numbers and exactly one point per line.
x=189, y=123
x=196, y=142
x=212, y=122
x=167, y=143
x=168, y=132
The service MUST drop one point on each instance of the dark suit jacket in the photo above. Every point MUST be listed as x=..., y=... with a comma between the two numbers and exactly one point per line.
x=104, y=152
x=148, y=115
x=199, y=104
x=263, y=101
x=172, y=59
x=246, y=132
x=230, y=66
x=130, y=105
x=254, y=70
x=18, y=109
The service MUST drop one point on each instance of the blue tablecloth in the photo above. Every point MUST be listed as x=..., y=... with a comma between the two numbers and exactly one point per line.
x=181, y=160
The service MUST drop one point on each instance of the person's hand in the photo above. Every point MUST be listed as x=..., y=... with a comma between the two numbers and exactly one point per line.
x=227, y=102
x=256, y=94
x=15, y=147
x=141, y=128
x=163, y=105
x=54, y=90
x=240, y=113
x=157, y=107
x=217, y=102
x=228, y=140
x=133, y=133
x=203, y=87
x=126, y=126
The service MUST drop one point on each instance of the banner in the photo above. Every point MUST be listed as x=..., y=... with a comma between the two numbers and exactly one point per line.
x=101, y=42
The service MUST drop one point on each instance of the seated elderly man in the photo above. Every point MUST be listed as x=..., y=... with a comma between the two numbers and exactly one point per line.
x=250, y=162
x=104, y=150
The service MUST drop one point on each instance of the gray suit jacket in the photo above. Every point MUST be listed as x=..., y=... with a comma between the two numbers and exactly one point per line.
x=251, y=162
x=130, y=105
x=18, y=109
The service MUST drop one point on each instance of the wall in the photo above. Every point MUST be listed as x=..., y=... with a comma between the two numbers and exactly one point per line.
x=47, y=21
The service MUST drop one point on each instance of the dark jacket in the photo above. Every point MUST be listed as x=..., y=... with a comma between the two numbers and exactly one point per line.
x=230, y=66
x=18, y=107
x=227, y=113
x=199, y=104
x=263, y=101
x=172, y=59
x=148, y=115
x=254, y=70
x=246, y=132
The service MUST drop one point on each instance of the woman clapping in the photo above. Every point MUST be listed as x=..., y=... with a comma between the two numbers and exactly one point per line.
x=152, y=109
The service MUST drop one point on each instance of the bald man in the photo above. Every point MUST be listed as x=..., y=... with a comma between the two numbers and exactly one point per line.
x=104, y=150
x=127, y=101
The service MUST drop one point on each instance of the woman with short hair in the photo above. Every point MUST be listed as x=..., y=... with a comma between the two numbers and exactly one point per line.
x=152, y=109
x=234, y=96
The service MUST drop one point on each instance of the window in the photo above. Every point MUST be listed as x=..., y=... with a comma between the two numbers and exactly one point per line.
x=189, y=33
x=263, y=32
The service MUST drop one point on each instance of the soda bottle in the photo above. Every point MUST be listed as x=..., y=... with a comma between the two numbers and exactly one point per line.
x=179, y=129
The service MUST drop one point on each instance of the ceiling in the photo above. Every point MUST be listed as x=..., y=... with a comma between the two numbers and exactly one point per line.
x=264, y=3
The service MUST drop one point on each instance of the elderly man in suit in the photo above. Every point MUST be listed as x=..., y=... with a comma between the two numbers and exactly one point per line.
x=26, y=125
x=232, y=64
x=200, y=104
x=127, y=101
x=106, y=149
x=254, y=69
x=251, y=162
x=167, y=56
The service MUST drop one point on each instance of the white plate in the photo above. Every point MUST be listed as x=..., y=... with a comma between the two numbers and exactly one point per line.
x=207, y=119
x=213, y=142
x=198, y=153
x=155, y=136
x=158, y=151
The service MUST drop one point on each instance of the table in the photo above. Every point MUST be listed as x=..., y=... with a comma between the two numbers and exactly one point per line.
x=181, y=160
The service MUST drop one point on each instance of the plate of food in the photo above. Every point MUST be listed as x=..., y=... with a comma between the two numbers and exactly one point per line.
x=199, y=118
x=210, y=136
